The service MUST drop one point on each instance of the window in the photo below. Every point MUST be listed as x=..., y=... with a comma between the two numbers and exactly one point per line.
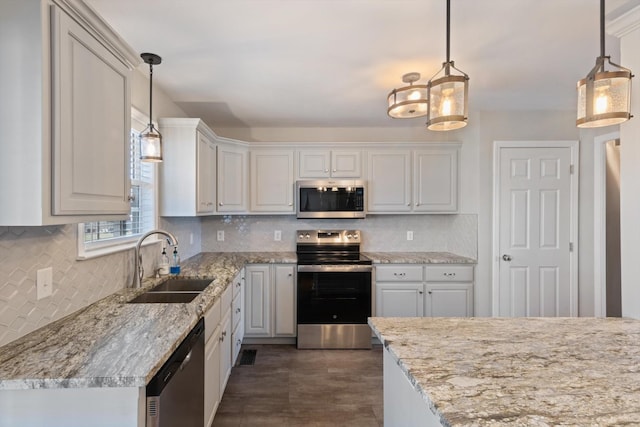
x=102, y=237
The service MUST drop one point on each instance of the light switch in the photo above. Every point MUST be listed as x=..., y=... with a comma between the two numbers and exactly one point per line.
x=277, y=235
x=409, y=235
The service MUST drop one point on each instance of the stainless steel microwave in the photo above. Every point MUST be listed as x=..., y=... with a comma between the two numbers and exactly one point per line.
x=331, y=199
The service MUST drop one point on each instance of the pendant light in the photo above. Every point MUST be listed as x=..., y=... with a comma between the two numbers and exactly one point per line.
x=604, y=97
x=447, y=94
x=150, y=138
x=409, y=101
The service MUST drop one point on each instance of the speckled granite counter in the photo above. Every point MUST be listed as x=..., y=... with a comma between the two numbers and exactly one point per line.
x=417, y=258
x=114, y=344
x=520, y=371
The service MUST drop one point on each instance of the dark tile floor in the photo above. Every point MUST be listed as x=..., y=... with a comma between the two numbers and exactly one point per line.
x=314, y=388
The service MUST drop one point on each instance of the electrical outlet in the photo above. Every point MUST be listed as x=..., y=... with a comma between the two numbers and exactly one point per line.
x=220, y=235
x=409, y=235
x=277, y=235
x=44, y=282
x=191, y=238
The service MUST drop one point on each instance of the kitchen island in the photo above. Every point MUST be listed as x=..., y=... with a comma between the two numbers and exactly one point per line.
x=510, y=371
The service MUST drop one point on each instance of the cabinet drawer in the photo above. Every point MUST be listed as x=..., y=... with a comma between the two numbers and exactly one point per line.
x=211, y=320
x=399, y=273
x=449, y=273
x=236, y=311
x=227, y=295
x=237, y=283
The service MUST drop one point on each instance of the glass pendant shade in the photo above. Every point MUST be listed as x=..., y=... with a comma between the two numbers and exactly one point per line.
x=409, y=101
x=448, y=102
x=150, y=145
x=150, y=138
x=604, y=99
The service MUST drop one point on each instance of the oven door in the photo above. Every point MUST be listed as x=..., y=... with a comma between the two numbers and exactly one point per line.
x=334, y=294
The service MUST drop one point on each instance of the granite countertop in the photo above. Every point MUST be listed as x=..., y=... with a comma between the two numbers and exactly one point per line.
x=114, y=344
x=520, y=371
x=417, y=258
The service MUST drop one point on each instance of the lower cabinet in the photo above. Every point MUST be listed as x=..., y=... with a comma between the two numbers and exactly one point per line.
x=424, y=290
x=270, y=301
x=223, y=324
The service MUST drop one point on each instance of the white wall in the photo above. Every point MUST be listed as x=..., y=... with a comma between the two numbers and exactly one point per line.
x=630, y=176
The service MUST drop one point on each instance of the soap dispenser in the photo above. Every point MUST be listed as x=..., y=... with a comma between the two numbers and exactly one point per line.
x=175, y=262
x=163, y=265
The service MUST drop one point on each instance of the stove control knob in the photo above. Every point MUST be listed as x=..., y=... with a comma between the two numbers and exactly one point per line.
x=307, y=236
x=301, y=236
x=349, y=236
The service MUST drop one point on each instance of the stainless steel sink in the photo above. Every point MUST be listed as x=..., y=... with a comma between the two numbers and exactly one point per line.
x=173, y=290
x=164, y=297
x=182, y=285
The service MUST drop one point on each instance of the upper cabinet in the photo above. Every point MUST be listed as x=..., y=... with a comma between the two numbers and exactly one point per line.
x=329, y=164
x=65, y=115
x=421, y=180
x=272, y=181
x=232, y=178
x=188, y=172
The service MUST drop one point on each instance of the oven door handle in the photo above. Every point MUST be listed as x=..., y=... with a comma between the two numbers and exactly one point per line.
x=331, y=268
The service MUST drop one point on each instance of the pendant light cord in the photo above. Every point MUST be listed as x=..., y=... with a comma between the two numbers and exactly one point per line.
x=448, y=22
x=602, y=28
x=150, y=96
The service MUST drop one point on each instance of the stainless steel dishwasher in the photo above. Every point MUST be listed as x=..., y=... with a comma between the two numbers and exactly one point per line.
x=175, y=395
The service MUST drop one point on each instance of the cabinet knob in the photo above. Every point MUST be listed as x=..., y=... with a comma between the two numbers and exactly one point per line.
x=238, y=310
x=224, y=333
x=429, y=292
x=290, y=204
x=420, y=292
x=326, y=171
x=408, y=204
x=335, y=170
x=417, y=204
x=290, y=274
x=221, y=204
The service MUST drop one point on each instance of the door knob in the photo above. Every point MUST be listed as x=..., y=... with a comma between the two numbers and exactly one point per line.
x=506, y=257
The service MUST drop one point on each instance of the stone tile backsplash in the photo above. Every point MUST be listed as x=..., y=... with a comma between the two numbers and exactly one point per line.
x=77, y=284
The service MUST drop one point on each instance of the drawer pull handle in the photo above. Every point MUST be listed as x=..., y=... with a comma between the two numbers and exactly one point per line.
x=400, y=274
x=450, y=274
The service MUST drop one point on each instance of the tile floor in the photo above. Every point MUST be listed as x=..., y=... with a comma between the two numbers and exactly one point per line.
x=290, y=387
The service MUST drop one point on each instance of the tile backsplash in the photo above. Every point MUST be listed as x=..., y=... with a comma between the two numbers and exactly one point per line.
x=451, y=233
x=76, y=284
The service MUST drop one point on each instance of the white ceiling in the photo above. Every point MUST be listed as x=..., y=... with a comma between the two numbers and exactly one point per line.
x=332, y=62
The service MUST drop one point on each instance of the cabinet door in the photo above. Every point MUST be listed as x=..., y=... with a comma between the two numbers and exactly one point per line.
x=206, y=175
x=436, y=180
x=389, y=181
x=284, y=301
x=449, y=300
x=399, y=299
x=346, y=163
x=257, y=295
x=232, y=179
x=211, y=377
x=91, y=123
x=225, y=350
x=272, y=179
x=314, y=164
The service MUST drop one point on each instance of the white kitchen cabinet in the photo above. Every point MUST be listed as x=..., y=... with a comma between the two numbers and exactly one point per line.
x=65, y=111
x=270, y=301
x=188, y=172
x=330, y=164
x=389, y=182
x=212, y=393
x=272, y=181
x=225, y=338
x=413, y=180
x=284, y=309
x=232, y=178
x=399, y=291
x=424, y=290
x=257, y=300
x=237, y=315
x=448, y=290
x=436, y=179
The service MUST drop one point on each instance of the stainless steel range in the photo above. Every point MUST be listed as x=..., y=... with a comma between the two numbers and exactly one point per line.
x=334, y=290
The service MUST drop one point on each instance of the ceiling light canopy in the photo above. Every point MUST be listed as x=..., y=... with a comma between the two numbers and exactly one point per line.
x=410, y=101
x=448, y=93
x=150, y=138
x=604, y=97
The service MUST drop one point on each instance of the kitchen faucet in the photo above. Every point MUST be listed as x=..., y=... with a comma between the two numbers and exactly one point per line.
x=138, y=269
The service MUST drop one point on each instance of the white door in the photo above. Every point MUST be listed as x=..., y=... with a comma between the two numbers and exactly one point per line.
x=536, y=205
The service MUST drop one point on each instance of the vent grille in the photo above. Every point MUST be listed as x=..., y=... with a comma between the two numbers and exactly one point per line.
x=248, y=357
